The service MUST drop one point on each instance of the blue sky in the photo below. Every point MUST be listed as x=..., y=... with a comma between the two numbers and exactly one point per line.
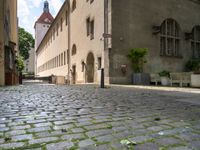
x=30, y=10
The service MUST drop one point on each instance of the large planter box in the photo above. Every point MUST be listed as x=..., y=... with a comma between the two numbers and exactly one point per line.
x=60, y=80
x=141, y=79
x=195, y=80
x=165, y=81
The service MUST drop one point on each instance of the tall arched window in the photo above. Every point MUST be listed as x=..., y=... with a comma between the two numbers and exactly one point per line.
x=74, y=50
x=73, y=5
x=170, y=38
x=196, y=42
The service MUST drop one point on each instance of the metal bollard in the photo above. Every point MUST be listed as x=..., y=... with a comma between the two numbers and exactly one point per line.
x=102, y=79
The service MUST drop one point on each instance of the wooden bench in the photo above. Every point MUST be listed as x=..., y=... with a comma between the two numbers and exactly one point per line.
x=180, y=78
x=155, y=78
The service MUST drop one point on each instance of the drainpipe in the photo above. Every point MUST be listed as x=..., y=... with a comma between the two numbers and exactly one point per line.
x=106, y=50
x=69, y=40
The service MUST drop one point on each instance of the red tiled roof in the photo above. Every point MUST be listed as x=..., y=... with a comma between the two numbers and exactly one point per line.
x=44, y=16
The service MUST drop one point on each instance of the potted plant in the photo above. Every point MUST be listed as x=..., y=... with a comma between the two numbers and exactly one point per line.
x=164, y=77
x=194, y=66
x=137, y=58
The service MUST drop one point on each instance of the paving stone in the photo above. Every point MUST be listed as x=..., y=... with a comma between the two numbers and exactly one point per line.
x=2, y=129
x=12, y=145
x=15, y=132
x=35, y=121
x=63, y=122
x=168, y=141
x=21, y=127
x=195, y=144
x=63, y=127
x=140, y=139
x=43, y=140
x=39, y=129
x=73, y=136
x=85, y=143
x=2, y=141
x=180, y=148
x=16, y=123
x=2, y=125
x=22, y=137
x=43, y=124
x=147, y=146
x=155, y=128
x=96, y=133
x=77, y=130
x=96, y=126
x=106, y=138
x=59, y=146
x=35, y=149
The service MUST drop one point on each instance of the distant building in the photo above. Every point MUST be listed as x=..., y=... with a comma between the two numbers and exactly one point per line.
x=8, y=42
x=89, y=35
x=30, y=62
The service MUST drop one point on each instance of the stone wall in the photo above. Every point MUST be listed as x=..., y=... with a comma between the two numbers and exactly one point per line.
x=132, y=23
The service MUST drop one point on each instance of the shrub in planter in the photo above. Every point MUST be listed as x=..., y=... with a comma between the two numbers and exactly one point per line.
x=20, y=66
x=194, y=66
x=137, y=58
x=164, y=76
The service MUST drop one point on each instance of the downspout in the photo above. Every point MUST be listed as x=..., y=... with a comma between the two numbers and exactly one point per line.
x=106, y=50
x=69, y=41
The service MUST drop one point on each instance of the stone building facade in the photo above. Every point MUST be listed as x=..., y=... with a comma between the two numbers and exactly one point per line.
x=99, y=34
x=29, y=64
x=8, y=42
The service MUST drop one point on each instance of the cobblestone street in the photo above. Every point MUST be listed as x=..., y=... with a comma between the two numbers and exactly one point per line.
x=51, y=117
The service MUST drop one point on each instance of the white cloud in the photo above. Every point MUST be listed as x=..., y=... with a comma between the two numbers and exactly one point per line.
x=30, y=10
x=36, y=3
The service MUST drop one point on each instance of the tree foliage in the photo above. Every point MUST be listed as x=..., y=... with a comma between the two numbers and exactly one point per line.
x=20, y=63
x=26, y=42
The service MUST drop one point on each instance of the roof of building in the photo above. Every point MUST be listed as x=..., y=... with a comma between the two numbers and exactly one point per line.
x=46, y=17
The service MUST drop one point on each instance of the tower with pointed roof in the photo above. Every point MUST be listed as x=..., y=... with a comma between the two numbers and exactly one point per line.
x=42, y=25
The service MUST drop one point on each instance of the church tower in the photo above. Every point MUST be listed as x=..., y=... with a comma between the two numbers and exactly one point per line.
x=41, y=26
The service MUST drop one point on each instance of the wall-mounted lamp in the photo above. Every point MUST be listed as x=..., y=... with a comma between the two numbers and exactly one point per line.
x=156, y=29
x=124, y=69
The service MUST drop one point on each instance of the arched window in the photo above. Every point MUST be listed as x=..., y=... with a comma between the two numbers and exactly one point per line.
x=74, y=50
x=170, y=38
x=73, y=5
x=196, y=42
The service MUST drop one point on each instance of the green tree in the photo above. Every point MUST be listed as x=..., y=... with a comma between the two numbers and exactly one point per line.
x=20, y=63
x=26, y=42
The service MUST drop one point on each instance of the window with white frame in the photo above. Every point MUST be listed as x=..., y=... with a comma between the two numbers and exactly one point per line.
x=170, y=38
x=195, y=43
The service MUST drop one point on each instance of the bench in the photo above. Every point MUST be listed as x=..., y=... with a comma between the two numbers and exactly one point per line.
x=180, y=78
x=155, y=78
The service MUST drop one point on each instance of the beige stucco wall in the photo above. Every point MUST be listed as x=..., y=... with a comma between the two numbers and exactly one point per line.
x=79, y=37
x=50, y=49
x=12, y=31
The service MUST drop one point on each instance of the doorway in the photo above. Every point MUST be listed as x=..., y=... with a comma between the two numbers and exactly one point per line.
x=90, y=68
x=74, y=74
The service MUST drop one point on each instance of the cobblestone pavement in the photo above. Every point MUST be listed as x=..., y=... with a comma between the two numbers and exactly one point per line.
x=50, y=117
